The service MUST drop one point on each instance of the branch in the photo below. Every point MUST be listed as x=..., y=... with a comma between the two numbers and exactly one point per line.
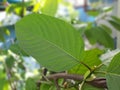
x=97, y=82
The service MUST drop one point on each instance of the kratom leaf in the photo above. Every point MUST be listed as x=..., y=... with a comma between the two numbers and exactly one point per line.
x=113, y=74
x=55, y=44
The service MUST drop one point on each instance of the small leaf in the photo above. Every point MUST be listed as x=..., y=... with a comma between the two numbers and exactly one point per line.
x=36, y=7
x=17, y=50
x=30, y=84
x=93, y=12
x=10, y=61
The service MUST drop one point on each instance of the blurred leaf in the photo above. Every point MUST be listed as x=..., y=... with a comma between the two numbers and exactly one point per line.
x=115, y=24
x=45, y=87
x=10, y=61
x=91, y=58
x=18, y=8
x=2, y=37
x=36, y=7
x=30, y=84
x=113, y=74
x=89, y=87
x=54, y=43
x=7, y=32
x=108, y=9
x=106, y=28
x=96, y=34
x=93, y=12
x=116, y=18
x=3, y=81
x=17, y=50
x=50, y=7
x=51, y=86
x=108, y=56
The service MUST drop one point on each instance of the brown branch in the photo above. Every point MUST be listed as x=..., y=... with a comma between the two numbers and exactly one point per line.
x=97, y=82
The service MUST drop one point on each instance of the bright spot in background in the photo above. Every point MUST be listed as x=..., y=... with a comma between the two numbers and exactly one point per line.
x=2, y=15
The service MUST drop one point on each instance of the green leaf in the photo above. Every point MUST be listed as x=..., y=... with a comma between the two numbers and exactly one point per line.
x=106, y=28
x=93, y=12
x=50, y=7
x=30, y=84
x=10, y=62
x=17, y=50
x=55, y=44
x=115, y=24
x=45, y=87
x=108, y=9
x=91, y=58
x=108, y=56
x=96, y=34
x=3, y=81
x=113, y=73
x=89, y=87
x=116, y=18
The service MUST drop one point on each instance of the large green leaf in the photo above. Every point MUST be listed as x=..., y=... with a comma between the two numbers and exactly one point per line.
x=50, y=7
x=55, y=44
x=113, y=73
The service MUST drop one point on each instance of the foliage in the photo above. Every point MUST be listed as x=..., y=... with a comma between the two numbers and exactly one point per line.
x=58, y=47
x=62, y=63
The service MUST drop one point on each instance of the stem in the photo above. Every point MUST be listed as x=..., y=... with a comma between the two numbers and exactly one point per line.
x=97, y=82
x=86, y=65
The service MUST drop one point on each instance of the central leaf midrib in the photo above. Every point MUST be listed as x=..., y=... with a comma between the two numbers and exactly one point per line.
x=62, y=49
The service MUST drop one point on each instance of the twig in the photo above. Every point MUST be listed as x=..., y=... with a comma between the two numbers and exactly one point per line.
x=97, y=82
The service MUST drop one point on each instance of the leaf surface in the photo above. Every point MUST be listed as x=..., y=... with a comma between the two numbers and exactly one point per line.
x=113, y=73
x=55, y=44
